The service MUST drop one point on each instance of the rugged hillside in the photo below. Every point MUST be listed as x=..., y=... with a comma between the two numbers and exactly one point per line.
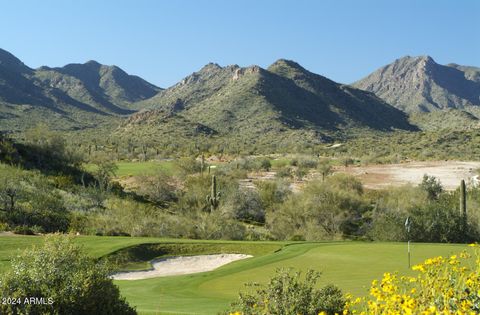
x=104, y=87
x=415, y=84
x=448, y=119
x=253, y=105
x=74, y=96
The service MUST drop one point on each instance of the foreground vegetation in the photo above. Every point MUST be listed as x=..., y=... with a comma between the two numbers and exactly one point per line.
x=59, y=278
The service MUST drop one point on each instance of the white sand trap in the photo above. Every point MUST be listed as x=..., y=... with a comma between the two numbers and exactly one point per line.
x=182, y=265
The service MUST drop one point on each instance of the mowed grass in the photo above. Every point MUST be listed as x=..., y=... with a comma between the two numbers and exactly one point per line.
x=98, y=246
x=350, y=265
x=140, y=168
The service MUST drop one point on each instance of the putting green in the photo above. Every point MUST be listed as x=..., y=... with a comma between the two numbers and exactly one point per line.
x=350, y=265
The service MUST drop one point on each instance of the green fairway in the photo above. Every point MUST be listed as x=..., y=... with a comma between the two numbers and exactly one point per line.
x=350, y=265
x=140, y=168
x=96, y=246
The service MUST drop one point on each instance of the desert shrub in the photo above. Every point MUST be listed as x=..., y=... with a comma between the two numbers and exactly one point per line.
x=47, y=220
x=124, y=216
x=307, y=163
x=387, y=225
x=435, y=217
x=288, y=294
x=392, y=206
x=105, y=170
x=325, y=168
x=244, y=164
x=188, y=165
x=300, y=173
x=432, y=186
x=3, y=225
x=273, y=193
x=244, y=205
x=284, y=172
x=345, y=182
x=322, y=210
x=265, y=164
x=441, y=221
x=281, y=162
x=67, y=279
x=193, y=196
x=159, y=188
x=204, y=225
x=23, y=230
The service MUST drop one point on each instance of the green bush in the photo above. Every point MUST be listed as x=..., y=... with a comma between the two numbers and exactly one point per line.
x=288, y=294
x=321, y=210
x=23, y=230
x=69, y=281
x=245, y=205
x=265, y=165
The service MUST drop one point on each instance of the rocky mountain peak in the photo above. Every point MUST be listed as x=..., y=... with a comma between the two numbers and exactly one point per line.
x=12, y=63
x=420, y=84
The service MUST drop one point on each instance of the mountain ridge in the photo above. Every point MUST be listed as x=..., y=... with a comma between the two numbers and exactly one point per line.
x=89, y=86
x=274, y=106
x=419, y=84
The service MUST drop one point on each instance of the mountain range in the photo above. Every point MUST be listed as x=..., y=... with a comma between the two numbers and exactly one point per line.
x=75, y=95
x=283, y=101
x=419, y=84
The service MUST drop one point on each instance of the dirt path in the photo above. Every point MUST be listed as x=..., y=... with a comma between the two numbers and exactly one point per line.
x=182, y=265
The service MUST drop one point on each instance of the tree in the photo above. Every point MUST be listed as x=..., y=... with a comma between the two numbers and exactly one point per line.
x=9, y=197
x=105, y=170
x=325, y=168
x=10, y=190
x=8, y=152
x=47, y=149
x=66, y=279
x=432, y=186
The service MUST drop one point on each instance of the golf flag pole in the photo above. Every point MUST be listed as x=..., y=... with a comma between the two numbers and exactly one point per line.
x=408, y=224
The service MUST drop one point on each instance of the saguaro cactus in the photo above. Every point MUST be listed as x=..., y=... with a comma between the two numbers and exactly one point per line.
x=463, y=201
x=213, y=198
x=202, y=164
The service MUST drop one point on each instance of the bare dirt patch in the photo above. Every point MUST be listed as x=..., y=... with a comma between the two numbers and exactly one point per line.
x=450, y=173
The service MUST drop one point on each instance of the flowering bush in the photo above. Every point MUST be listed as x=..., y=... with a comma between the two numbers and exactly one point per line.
x=444, y=285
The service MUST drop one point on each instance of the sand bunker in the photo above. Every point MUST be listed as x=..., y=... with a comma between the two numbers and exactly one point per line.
x=181, y=265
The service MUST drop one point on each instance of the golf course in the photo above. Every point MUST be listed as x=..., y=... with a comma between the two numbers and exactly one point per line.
x=350, y=265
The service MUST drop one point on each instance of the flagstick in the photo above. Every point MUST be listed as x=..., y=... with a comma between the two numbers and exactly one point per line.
x=408, y=254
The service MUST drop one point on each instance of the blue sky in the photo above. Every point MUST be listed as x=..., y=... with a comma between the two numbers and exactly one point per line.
x=163, y=41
